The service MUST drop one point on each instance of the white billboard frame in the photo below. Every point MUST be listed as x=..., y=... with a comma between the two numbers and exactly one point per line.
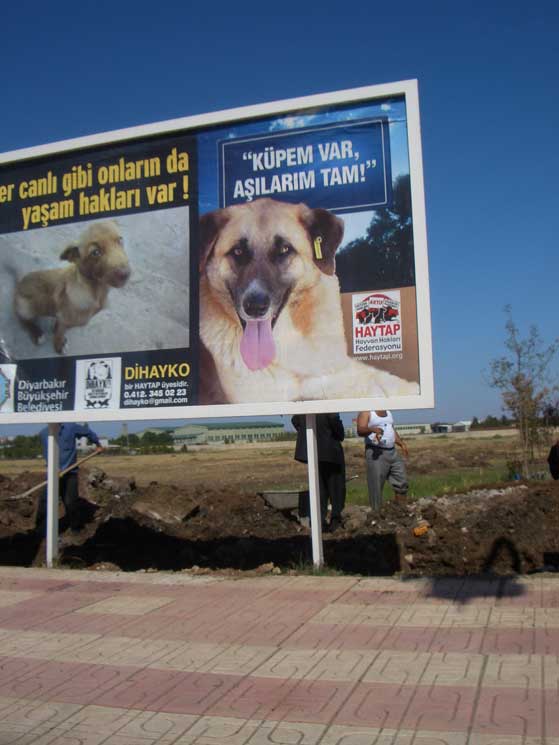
x=408, y=89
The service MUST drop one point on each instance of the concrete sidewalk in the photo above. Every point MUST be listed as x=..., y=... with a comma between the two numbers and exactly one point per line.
x=136, y=659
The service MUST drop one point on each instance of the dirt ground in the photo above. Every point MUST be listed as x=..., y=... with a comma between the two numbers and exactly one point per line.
x=203, y=510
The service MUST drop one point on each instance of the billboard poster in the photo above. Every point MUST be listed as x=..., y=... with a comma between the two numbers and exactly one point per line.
x=270, y=259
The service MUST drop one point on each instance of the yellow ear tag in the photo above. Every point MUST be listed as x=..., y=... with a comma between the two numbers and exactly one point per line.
x=318, y=247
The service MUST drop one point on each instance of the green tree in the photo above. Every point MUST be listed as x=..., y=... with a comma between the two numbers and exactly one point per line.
x=491, y=421
x=23, y=447
x=387, y=247
x=522, y=375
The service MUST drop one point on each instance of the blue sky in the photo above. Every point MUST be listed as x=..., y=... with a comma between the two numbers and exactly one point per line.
x=488, y=79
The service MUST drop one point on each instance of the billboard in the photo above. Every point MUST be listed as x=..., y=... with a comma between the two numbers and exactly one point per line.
x=269, y=259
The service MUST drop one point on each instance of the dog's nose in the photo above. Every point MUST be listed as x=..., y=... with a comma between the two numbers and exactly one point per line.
x=256, y=303
x=121, y=275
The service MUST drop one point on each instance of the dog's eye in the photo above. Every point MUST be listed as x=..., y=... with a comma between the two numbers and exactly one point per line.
x=240, y=253
x=281, y=251
x=95, y=250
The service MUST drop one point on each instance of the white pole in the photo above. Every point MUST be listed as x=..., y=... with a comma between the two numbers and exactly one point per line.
x=314, y=491
x=52, y=495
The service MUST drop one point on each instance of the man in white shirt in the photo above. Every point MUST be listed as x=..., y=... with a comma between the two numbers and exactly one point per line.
x=383, y=460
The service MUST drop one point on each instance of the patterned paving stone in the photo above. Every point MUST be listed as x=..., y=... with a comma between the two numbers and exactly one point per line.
x=126, y=605
x=74, y=623
x=409, y=639
x=514, y=671
x=423, y=615
x=306, y=583
x=288, y=663
x=458, y=640
x=360, y=615
x=348, y=665
x=386, y=584
x=293, y=700
x=143, y=689
x=336, y=636
x=190, y=657
x=516, y=618
x=466, y=616
x=215, y=658
x=316, y=595
x=163, y=660
x=339, y=735
x=37, y=716
x=446, y=708
x=357, y=596
x=376, y=705
x=144, y=652
x=79, y=683
x=99, y=719
x=196, y=693
x=551, y=711
x=452, y=669
x=270, y=632
x=546, y=641
x=58, y=736
x=509, y=711
x=404, y=668
x=477, y=739
x=42, y=645
x=287, y=733
x=510, y=641
x=214, y=730
x=160, y=728
x=12, y=597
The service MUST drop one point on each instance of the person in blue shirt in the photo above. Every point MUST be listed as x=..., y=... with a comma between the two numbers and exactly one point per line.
x=68, y=483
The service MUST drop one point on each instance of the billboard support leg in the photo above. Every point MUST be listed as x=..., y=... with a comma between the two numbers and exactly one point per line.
x=314, y=491
x=52, y=495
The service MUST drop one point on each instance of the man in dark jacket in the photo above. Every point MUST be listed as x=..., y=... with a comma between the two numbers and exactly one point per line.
x=331, y=463
x=553, y=460
x=68, y=484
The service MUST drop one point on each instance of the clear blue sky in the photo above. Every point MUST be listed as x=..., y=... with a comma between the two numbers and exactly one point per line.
x=488, y=76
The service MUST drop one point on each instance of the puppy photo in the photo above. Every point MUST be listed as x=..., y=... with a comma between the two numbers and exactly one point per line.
x=271, y=319
x=73, y=294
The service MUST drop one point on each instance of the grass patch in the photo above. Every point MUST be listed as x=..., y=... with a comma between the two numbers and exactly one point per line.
x=309, y=569
x=432, y=485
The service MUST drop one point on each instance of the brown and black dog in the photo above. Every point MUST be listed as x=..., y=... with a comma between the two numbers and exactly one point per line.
x=75, y=293
x=270, y=309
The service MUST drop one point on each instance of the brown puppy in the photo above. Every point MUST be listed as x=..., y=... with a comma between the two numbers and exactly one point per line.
x=270, y=309
x=75, y=293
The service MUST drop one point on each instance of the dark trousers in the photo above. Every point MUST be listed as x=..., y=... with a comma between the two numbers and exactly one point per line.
x=332, y=487
x=331, y=482
x=68, y=492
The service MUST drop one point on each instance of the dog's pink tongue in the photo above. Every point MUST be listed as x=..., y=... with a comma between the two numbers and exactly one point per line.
x=257, y=345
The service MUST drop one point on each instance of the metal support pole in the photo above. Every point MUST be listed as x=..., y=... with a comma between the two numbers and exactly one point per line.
x=52, y=495
x=314, y=491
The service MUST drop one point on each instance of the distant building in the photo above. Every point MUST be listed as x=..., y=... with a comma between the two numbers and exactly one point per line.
x=440, y=428
x=402, y=429
x=445, y=428
x=462, y=426
x=412, y=429
x=221, y=434
x=420, y=429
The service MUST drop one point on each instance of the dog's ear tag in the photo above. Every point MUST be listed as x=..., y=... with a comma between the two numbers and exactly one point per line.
x=318, y=247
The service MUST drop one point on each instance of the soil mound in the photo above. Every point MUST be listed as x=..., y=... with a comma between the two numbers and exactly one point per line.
x=503, y=528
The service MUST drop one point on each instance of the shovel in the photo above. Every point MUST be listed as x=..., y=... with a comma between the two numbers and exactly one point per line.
x=44, y=483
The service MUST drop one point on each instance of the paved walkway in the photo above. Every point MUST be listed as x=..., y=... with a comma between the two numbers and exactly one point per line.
x=135, y=659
